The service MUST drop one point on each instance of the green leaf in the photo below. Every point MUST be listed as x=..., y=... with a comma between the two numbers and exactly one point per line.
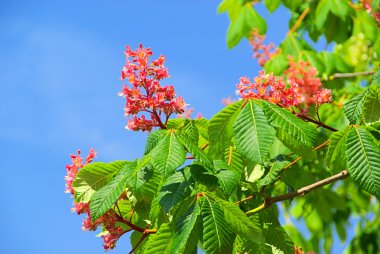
x=103, y=199
x=153, y=139
x=235, y=31
x=292, y=4
x=286, y=122
x=93, y=177
x=226, y=5
x=203, y=175
x=291, y=46
x=244, y=19
x=216, y=236
x=272, y=5
x=277, y=64
x=234, y=160
x=168, y=155
x=354, y=108
x=253, y=21
x=371, y=105
x=176, y=188
x=195, y=151
x=239, y=222
x=159, y=242
x=220, y=127
x=185, y=226
x=228, y=180
x=157, y=215
x=363, y=159
x=138, y=173
x=253, y=135
x=176, y=123
x=376, y=78
x=191, y=131
x=336, y=153
x=273, y=173
x=202, y=125
x=321, y=13
x=275, y=235
x=339, y=8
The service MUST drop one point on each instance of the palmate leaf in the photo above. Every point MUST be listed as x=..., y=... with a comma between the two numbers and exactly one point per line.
x=234, y=160
x=274, y=234
x=353, y=108
x=272, y=5
x=228, y=180
x=203, y=175
x=239, y=222
x=273, y=173
x=103, y=199
x=216, y=235
x=150, y=187
x=159, y=242
x=285, y=122
x=253, y=135
x=336, y=153
x=220, y=128
x=153, y=139
x=363, y=159
x=371, y=105
x=186, y=235
x=168, y=155
x=93, y=177
x=176, y=188
x=138, y=173
x=202, y=125
x=195, y=151
x=191, y=131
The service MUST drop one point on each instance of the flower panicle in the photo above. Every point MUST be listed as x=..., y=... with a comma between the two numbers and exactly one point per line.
x=147, y=102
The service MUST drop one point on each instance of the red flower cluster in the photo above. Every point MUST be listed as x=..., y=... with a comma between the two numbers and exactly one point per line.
x=145, y=94
x=262, y=52
x=278, y=91
x=108, y=220
x=310, y=86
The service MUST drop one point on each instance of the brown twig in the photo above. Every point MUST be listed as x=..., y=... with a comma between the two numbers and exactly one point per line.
x=144, y=235
x=245, y=199
x=131, y=214
x=300, y=192
x=192, y=157
x=351, y=75
x=162, y=126
x=319, y=123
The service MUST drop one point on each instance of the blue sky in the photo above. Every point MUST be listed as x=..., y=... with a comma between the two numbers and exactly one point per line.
x=59, y=79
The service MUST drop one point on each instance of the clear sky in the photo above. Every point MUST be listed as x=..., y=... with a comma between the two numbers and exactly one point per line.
x=59, y=78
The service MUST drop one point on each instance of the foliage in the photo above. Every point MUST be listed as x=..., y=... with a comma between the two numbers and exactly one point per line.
x=307, y=122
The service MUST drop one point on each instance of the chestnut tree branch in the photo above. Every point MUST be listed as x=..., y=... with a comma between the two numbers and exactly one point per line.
x=351, y=75
x=300, y=192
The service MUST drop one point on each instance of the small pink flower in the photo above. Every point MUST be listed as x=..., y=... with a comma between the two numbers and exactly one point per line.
x=262, y=52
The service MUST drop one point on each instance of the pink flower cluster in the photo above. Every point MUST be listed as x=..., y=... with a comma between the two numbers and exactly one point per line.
x=262, y=52
x=375, y=13
x=146, y=95
x=108, y=220
x=278, y=91
x=72, y=170
x=310, y=86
